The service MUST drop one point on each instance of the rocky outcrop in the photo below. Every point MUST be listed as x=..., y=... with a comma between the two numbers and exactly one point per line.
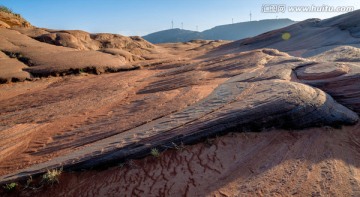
x=12, y=69
x=10, y=20
x=307, y=38
x=339, y=54
x=339, y=77
x=42, y=59
x=131, y=48
x=249, y=91
x=46, y=52
x=29, y=52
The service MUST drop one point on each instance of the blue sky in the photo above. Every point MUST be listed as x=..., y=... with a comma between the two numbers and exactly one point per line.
x=140, y=17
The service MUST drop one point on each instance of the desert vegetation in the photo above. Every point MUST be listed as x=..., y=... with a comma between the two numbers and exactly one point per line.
x=155, y=152
x=10, y=186
x=9, y=11
x=51, y=176
x=5, y=9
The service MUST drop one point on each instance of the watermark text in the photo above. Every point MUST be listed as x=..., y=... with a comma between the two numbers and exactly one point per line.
x=282, y=8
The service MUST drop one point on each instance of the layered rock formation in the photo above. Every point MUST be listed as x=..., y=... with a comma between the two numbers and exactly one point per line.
x=11, y=20
x=131, y=48
x=339, y=75
x=246, y=91
x=44, y=59
x=316, y=161
x=307, y=38
x=37, y=52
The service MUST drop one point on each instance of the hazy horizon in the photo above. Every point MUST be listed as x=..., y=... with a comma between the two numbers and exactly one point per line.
x=141, y=17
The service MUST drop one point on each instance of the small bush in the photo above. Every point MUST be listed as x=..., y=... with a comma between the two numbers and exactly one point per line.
x=5, y=9
x=10, y=186
x=155, y=152
x=52, y=176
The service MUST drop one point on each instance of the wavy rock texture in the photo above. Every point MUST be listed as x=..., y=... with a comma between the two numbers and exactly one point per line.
x=318, y=162
x=131, y=48
x=340, y=79
x=74, y=52
x=255, y=90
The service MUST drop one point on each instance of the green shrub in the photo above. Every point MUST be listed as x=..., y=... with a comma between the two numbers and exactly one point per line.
x=52, y=176
x=10, y=186
x=6, y=9
x=155, y=152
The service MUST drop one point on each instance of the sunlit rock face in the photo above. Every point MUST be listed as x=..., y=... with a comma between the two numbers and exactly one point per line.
x=11, y=20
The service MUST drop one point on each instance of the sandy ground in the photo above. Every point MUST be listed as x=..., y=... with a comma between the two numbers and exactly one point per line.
x=311, y=162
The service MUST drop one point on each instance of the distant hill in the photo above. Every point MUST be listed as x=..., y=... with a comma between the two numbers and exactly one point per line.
x=239, y=31
x=235, y=31
x=173, y=35
x=306, y=38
